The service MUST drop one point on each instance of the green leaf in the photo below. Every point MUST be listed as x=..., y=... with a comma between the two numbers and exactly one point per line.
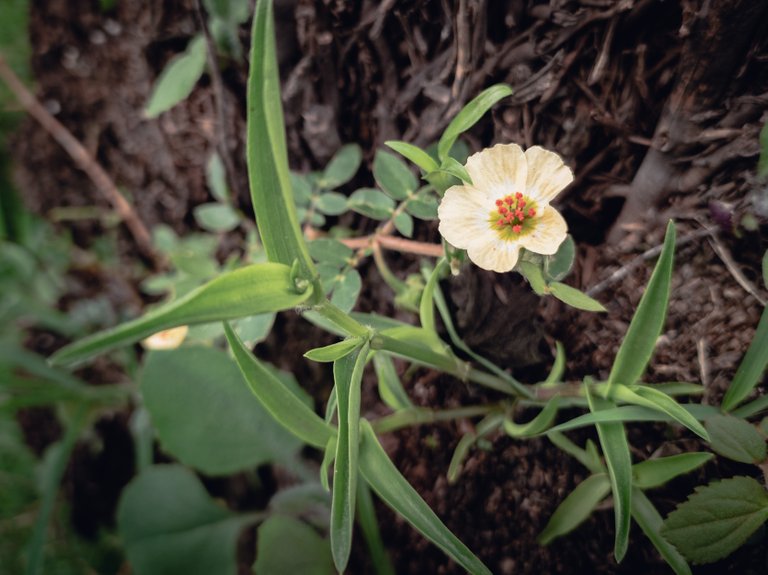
x=404, y=224
x=342, y=167
x=330, y=251
x=346, y=289
x=204, y=415
x=736, y=439
x=384, y=478
x=762, y=163
x=394, y=177
x=427, y=303
x=452, y=167
x=414, y=154
x=656, y=472
x=751, y=368
x=302, y=188
x=765, y=265
x=638, y=345
x=287, y=409
x=254, y=289
x=334, y=351
x=268, y=172
x=169, y=524
x=216, y=217
x=717, y=519
x=752, y=408
x=390, y=387
x=559, y=265
x=347, y=376
x=488, y=424
x=631, y=413
x=576, y=508
x=574, y=297
x=469, y=116
x=538, y=424
x=216, y=178
x=178, y=78
x=655, y=399
x=650, y=521
x=372, y=203
x=256, y=328
x=331, y=203
x=419, y=345
x=535, y=277
x=423, y=206
x=613, y=440
x=287, y=546
x=369, y=525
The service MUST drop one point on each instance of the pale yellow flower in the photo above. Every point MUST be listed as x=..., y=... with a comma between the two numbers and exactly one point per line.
x=166, y=339
x=507, y=206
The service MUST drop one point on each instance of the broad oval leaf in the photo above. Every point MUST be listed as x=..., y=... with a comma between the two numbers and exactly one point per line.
x=205, y=416
x=423, y=206
x=393, y=176
x=469, y=116
x=372, y=203
x=251, y=290
x=404, y=224
x=717, y=519
x=287, y=546
x=346, y=289
x=384, y=478
x=736, y=439
x=217, y=217
x=330, y=251
x=178, y=78
x=576, y=508
x=342, y=167
x=331, y=203
x=287, y=409
x=644, y=329
x=169, y=524
x=559, y=265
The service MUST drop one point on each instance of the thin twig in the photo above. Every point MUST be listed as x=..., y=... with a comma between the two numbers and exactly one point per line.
x=725, y=256
x=84, y=161
x=624, y=271
x=396, y=244
x=218, y=101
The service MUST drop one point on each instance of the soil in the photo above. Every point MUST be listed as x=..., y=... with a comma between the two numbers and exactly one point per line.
x=593, y=80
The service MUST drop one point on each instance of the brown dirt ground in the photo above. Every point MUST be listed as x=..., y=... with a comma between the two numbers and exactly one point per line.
x=591, y=81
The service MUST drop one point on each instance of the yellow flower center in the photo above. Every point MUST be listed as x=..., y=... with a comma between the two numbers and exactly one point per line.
x=513, y=217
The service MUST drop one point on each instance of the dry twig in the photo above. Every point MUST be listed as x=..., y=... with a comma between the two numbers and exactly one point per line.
x=84, y=161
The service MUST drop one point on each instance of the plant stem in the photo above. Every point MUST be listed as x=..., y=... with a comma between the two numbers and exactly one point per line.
x=421, y=415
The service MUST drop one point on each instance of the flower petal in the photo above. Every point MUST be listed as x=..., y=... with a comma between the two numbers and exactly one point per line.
x=499, y=170
x=463, y=215
x=547, y=235
x=497, y=255
x=547, y=174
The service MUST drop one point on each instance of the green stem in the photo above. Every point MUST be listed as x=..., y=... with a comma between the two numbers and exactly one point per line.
x=421, y=415
x=341, y=319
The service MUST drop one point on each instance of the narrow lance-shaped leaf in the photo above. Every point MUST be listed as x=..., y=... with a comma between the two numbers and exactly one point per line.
x=284, y=406
x=414, y=154
x=649, y=520
x=178, y=79
x=751, y=368
x=469, y=116
x=347, y=375
x=384, y=478
x=613, y=440
x=366, y=517
x=656, y=472
x=636, y=349
x=254, y=289
x=655, y=399
x=538, y=424
x=267, y=153
x=576, y=508
x=427, y=303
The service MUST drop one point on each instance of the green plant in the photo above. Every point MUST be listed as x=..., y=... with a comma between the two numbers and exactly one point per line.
x=319, y=280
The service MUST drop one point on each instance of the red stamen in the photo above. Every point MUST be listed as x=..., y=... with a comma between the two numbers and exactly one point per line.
x=531, y=212
x=503, y=210
x=499, y=202
x=518, y=195
x=509, y=217
x=500, y=222
x=517, y=229
x=521, y=203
